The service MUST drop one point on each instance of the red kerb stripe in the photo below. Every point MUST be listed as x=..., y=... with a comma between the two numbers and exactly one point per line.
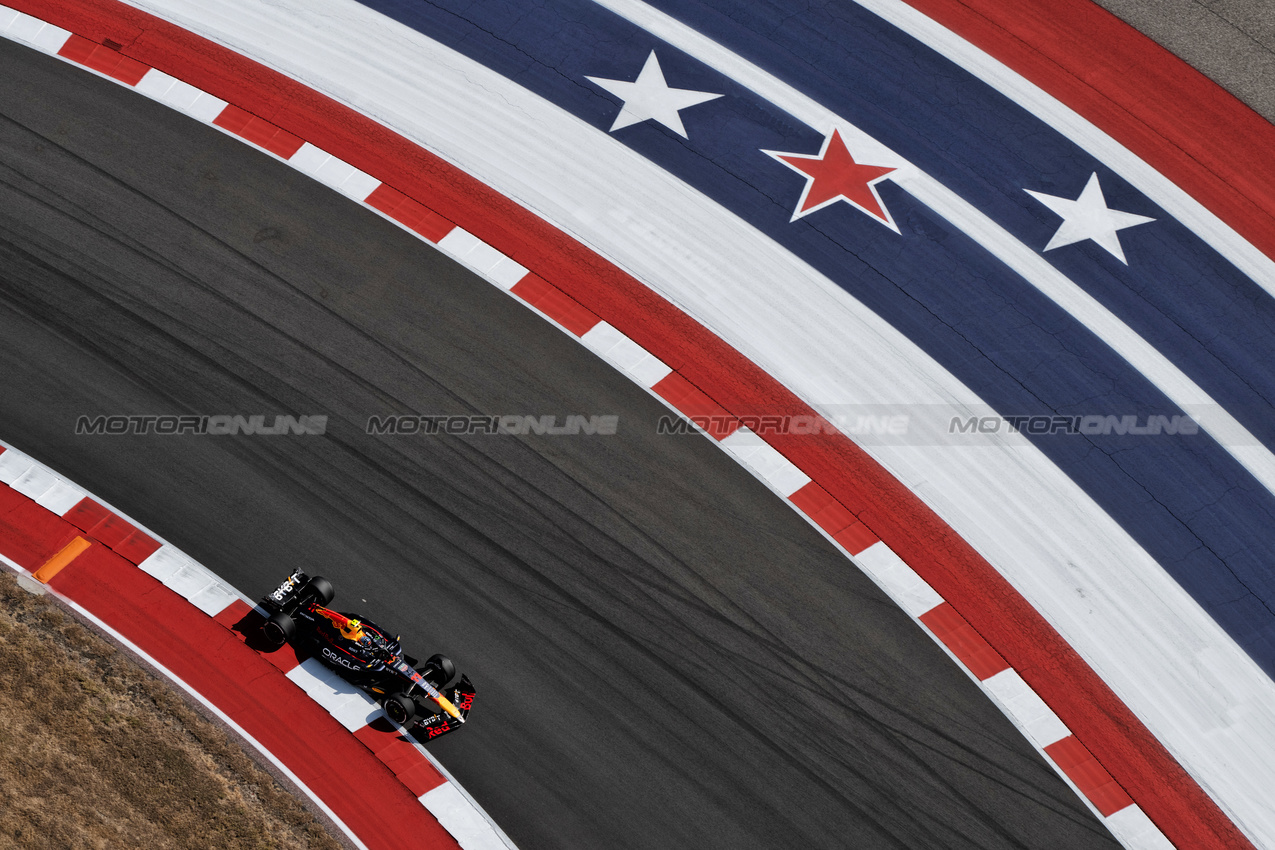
x=259, y=131
x=233, y=613
x=409, y=213
x=86, y=514
x=400, y=756
x=104, y=60
x=137, y=547
x=855, y=538
x=1091, y=778
x=555, y=304
x=377, y=735
x=694, y=403
x=421, y=778
x=965, y=643
x=112, y=530
x=29, y=533
x=833, y=517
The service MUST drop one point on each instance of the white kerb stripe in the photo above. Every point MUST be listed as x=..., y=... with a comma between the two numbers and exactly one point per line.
x=626, y=355
x=649, y=371
x=1025, y=706
x=164, y=562
x=38, y=483
x=334, y=173
x=355, y=711
x=765, y=461
x=214, y=599
x=61, y=497
x=189, y=580
x=459, y=243
x=310, y=160
x=36, y=32
x=464, y=246
x=911, y=591
x=34, y=481
x=322, y=685
x=181, y=96
x=506, y=273
x=157, y=85
x=1134, y=830
x=13, y=464
x=462, y=820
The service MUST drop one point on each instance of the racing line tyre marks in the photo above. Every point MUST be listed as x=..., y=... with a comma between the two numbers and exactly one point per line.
x=1096, y=743
x=141, y=590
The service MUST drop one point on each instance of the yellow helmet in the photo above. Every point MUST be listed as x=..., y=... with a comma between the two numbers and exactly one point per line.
x=352, y=630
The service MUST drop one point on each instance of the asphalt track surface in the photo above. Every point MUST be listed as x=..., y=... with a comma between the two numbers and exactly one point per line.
x=665, y=656
x=1230, y=41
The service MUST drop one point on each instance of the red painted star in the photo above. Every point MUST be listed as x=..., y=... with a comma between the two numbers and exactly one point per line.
x=832, y=175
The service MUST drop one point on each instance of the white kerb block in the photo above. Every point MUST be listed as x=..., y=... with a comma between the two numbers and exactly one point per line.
x=190, y=580
x=35, y=481
x=1025, y=706
x=900, y=581
x=13, y=464
x=37, y=33
x=458, y=816
x=214, y=598
x=321, y=684
x=61, y=497
x=1134, y=830
x=164, y=562
x=356, y=711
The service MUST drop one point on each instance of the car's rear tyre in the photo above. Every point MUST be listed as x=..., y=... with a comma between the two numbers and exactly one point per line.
x=439, y=670
x=400, y=708
x=279, y=628
x=319, y=589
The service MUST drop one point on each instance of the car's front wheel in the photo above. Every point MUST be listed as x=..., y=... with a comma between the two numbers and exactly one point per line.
x=439, y=671
x=400, y=708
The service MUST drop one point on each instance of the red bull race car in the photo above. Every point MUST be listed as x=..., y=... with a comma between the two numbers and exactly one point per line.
x=429, y=699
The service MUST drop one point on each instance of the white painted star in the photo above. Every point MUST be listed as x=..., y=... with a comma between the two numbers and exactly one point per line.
x=651, y=98
x=1088, y=217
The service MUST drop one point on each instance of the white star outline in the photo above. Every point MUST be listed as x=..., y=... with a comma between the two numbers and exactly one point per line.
x=650, y=98
x=797, y=213
x=1089, y=217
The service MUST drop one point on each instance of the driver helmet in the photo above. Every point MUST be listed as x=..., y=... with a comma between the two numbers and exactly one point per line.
x=353, y=630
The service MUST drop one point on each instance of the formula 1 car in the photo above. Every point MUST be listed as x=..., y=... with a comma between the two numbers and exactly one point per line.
x=429, y=699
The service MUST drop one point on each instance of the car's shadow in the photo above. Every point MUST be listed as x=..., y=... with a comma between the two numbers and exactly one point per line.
x=248, y=627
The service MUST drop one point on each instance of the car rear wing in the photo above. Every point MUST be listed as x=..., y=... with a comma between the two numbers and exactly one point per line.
x=285, y=594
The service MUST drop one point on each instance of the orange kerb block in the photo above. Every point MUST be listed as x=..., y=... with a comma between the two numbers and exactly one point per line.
x=61, y=560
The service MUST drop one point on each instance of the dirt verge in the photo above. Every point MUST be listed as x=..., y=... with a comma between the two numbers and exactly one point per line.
x=96, y=751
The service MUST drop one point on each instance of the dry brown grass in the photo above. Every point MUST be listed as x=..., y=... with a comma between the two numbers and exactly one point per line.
x=97, y=752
